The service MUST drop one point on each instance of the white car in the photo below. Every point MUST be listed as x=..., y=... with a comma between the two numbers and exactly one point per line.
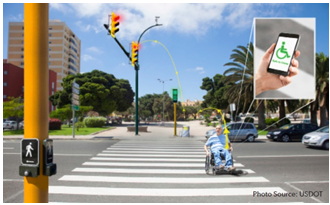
x=10, y=125
x=318, y=138
x=21, y=125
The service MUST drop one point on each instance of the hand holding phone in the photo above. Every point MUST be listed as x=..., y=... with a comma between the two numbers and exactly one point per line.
x=282, y=56
x=265, y=80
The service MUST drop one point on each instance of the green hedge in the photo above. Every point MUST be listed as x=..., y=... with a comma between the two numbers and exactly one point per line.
x=94, y=121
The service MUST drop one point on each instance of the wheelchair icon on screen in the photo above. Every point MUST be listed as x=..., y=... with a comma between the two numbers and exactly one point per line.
x=282, y=52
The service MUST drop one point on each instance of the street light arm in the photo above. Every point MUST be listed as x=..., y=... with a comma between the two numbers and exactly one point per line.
x=146, y=30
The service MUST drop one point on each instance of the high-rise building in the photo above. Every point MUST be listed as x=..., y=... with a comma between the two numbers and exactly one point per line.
x=64, y=49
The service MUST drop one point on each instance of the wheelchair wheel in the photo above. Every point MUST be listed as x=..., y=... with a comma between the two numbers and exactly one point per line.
x=208, y=166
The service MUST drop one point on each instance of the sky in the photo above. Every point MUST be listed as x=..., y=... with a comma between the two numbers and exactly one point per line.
x=198, y=37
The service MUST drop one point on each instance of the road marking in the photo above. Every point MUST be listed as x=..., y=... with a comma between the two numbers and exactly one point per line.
x=155, y=155
x=155, y=152
x=265, y=156
x=309, y=182
x=155, y=149
x=159, y=147
x=148, y=159
x=148, y=171
x=315, y=199
x=125, y=164
x=105, y=191
x=70, y=155
x=13, y=180
x=166, y=180
x=8, y=148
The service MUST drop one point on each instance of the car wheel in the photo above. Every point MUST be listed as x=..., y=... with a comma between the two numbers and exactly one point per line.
x=285, y=138
x=250, y=138
x=325, y=145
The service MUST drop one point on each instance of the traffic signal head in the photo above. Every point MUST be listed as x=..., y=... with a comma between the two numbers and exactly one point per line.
x=135, y=50
x=175, y=95
x=114, y=24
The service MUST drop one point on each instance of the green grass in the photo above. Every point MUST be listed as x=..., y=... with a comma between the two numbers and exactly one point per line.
x=66, y=130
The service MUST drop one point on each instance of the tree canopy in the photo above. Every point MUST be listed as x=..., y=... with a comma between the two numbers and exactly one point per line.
x=98, y=89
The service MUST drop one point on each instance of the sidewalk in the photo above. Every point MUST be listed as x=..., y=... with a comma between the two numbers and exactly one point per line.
x=155, y=132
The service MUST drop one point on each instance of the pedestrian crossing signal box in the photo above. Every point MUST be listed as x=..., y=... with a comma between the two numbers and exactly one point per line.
x=49, y=167
x=30, y=166
x=29, y=158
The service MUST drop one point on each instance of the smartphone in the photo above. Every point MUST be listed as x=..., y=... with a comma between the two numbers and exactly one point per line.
x=283, y=54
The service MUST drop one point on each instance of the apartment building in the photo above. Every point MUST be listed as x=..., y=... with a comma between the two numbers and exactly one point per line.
x=64, y=49
x=13, y=83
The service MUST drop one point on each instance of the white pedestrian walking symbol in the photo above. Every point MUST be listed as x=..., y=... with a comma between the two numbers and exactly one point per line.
x=28, y=149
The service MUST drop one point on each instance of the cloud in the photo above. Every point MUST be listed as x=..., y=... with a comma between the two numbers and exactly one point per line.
x=94, y=49
x=190, y=19
x=87, y=57
x=17, y=18
x=87, y=27
x=200, y=70
x=65, y=8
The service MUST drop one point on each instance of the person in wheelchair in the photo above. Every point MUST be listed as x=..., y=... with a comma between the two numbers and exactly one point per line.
x=217, y=142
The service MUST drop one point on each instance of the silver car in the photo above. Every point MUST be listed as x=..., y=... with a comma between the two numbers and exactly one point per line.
x=238, y=131
x=318, y=138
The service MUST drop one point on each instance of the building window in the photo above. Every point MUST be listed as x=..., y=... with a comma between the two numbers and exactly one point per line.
x=5, y=72
x=22, y=56
x=50, y=35
x=4, y=84
x=22, y=49
x=23, y=28
x=22, y=42
x=22, y=63
x=49, y=63
x=4, y=96
x=22, y=34
x=50, y=28
x=53, y=85
x=23, y=89
x=50, y=42
x=49, y=49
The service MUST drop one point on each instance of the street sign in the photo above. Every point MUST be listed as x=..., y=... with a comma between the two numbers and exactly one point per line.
x=75, y=96
x=75, y=90
x=75, y=102
x=48, y=151
x=232, y=107
x=30, y=152
x=75, y=107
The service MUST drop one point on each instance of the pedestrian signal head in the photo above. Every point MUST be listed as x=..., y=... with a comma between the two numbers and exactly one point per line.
x=114, y=24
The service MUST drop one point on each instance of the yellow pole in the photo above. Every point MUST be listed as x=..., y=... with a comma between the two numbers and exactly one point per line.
x=36, y=92
x=174, y=119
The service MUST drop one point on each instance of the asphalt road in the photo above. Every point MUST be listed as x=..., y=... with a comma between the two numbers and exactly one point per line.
x=120, y=171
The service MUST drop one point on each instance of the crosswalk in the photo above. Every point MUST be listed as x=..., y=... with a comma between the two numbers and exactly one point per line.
x=156, y=171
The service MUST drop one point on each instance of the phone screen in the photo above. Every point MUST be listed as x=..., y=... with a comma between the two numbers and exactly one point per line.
x=283, y=53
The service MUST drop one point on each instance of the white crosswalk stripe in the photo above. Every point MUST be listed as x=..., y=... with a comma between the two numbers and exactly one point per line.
x=134, y=169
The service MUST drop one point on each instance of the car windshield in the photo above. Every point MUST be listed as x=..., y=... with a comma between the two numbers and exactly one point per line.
x=286, y=127
x=323, y=129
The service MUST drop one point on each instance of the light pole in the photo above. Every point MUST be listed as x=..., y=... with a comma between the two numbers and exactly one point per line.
x=163, y=81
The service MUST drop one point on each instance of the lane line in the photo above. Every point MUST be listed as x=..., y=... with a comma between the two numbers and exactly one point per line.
x=126, y=164
x=155, y=149
x=147, y=171
x=160, y=192
x=8, y=148
x=70, y=155
x=155, y=152
x=167, y=180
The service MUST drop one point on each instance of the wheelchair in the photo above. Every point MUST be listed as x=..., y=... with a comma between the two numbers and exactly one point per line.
x=210, y=167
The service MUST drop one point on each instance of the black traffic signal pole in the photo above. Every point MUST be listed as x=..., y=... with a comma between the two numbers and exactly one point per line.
x=136, y=67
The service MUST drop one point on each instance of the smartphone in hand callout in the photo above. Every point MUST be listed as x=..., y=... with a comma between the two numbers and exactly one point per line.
x=283, y=54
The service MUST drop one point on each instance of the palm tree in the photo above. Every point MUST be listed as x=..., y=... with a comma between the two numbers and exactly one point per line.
x=322, y=90
x=241, y=77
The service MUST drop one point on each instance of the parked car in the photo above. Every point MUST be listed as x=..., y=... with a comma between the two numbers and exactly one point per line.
x=318, y=138
x=10, y=125
x=21, y=125
x=291, y=132
x=238, y=131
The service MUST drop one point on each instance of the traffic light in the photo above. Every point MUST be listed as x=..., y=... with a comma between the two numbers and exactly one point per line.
x=114, y=24
x=175, y=95
x=135, y=50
